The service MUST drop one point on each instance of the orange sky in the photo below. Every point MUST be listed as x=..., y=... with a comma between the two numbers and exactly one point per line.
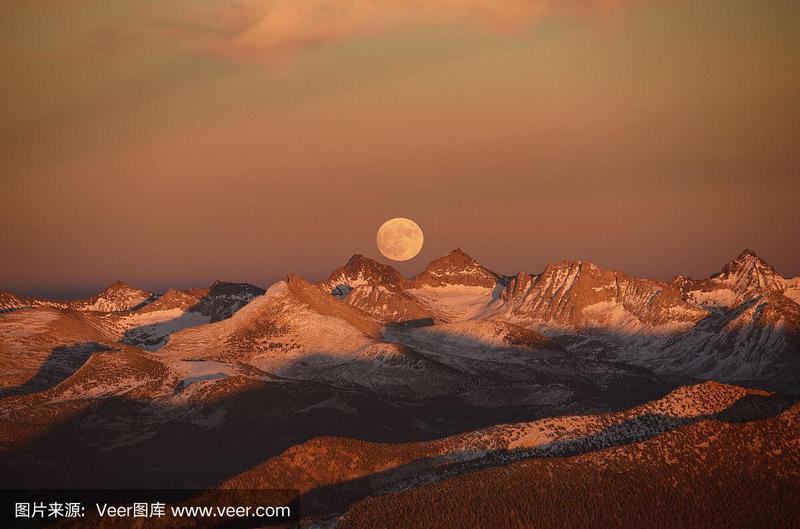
x=172, y=145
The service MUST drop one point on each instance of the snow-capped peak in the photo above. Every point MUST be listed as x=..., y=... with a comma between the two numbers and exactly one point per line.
x=119, y=296
x=359, y=271
x=749, y=265
x=749, y=276
x=744, y=278
x=456, y=268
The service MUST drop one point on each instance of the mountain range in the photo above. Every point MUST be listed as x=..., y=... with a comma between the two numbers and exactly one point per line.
x=369, y=392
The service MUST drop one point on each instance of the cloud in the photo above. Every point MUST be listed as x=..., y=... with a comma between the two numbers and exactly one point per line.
x=268, y=28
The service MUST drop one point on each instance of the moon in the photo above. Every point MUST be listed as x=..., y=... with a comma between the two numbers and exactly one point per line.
x=399, y=239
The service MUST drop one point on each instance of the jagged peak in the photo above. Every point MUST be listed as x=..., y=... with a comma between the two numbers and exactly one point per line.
x=458, y=268
x=120, y=285
x=458, y=251
x=455, y=258
x=458, y=254
x=569, y=264
x=118, y=296
x=518, y=285
x=360, y=269
x=566, y=263
x=360, y=262
x=745, y=277
x=745, y=256
x=750, y=268
x=746, y=260
x=226, y=287
x=121, y=288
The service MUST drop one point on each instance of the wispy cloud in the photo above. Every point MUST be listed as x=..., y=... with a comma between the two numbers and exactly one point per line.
x=268, y=28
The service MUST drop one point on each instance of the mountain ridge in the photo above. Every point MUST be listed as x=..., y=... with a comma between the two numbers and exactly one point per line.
x=742, y=324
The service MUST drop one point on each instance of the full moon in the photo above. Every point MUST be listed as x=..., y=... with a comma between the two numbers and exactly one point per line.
x=399, y=239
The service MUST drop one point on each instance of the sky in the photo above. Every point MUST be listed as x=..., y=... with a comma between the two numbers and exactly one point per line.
x=173, y=143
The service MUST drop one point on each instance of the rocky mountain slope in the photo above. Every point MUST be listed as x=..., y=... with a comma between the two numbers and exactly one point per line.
x=377, y=289
x=583, y=295
x=739, y=325
x=152, y=325
x=659, y=481
x=117, y=297
x=299, y=330
x=455, y=268
x=41, y=346
x=468, y=370
x=345, y=482
x=744, y=278
x=9, y=302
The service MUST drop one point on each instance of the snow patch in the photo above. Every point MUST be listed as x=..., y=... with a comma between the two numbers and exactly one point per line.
x=457, y=302
x=718, y=298
x=203, y=370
